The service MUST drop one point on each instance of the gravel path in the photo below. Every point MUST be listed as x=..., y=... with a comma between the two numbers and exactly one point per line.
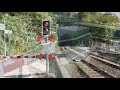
x=74, y=71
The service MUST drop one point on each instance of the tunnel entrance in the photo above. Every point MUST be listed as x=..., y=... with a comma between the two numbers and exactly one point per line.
x=64, y=38
x=70, y=36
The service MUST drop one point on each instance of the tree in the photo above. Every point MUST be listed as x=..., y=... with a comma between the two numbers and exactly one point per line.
x=99, y=18
x=103, y=33
x=25, y=27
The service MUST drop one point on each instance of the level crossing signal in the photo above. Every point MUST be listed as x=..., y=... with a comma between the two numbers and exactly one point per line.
x=46, y=27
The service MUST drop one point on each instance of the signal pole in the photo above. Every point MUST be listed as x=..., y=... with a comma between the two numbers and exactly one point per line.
x=47, y=59
x=46, y=32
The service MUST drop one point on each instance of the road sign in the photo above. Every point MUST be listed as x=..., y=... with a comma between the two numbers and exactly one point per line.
x=50, y=37
x=2, y=26
x=51, y=47
x=51, y=57
x=41, y=56
x=8, y=31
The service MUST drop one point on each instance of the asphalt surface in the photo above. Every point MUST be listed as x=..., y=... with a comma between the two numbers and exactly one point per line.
x=17, y=69
x=23, y=68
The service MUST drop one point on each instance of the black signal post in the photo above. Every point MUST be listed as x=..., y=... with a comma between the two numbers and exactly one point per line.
x=46, y=27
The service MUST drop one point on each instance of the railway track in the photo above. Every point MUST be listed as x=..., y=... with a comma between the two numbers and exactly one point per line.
x=70, y=66
x=110, y=57
x=95, y=66
x=108, y=67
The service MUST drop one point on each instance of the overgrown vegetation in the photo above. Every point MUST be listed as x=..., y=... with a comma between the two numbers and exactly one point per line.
x=25, y=27
x=109, y=23
x=105, y=33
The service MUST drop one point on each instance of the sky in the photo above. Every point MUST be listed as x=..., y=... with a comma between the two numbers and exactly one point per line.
x=116, y=13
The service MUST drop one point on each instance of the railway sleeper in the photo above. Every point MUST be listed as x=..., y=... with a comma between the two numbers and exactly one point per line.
x=90, y=72
x=106, y=68
x=106, y=75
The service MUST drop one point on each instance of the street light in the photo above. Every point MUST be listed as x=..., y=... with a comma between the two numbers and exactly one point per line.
x=4, y=33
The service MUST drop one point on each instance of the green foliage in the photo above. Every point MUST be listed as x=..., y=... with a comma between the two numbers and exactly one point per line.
x=99, y=18
x=25, y=27
x=66, y=18
x=101, y=34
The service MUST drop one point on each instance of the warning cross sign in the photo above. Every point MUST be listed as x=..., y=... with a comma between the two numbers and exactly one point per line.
x=48, y=47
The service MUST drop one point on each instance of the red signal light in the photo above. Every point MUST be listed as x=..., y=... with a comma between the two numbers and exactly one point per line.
x=46, y=27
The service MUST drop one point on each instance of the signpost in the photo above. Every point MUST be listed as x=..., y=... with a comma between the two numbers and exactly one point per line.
x=8, y=32
x=2, y=26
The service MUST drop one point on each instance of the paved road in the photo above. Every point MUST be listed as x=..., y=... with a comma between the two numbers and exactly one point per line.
x=23, y=68
x=16, y=69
